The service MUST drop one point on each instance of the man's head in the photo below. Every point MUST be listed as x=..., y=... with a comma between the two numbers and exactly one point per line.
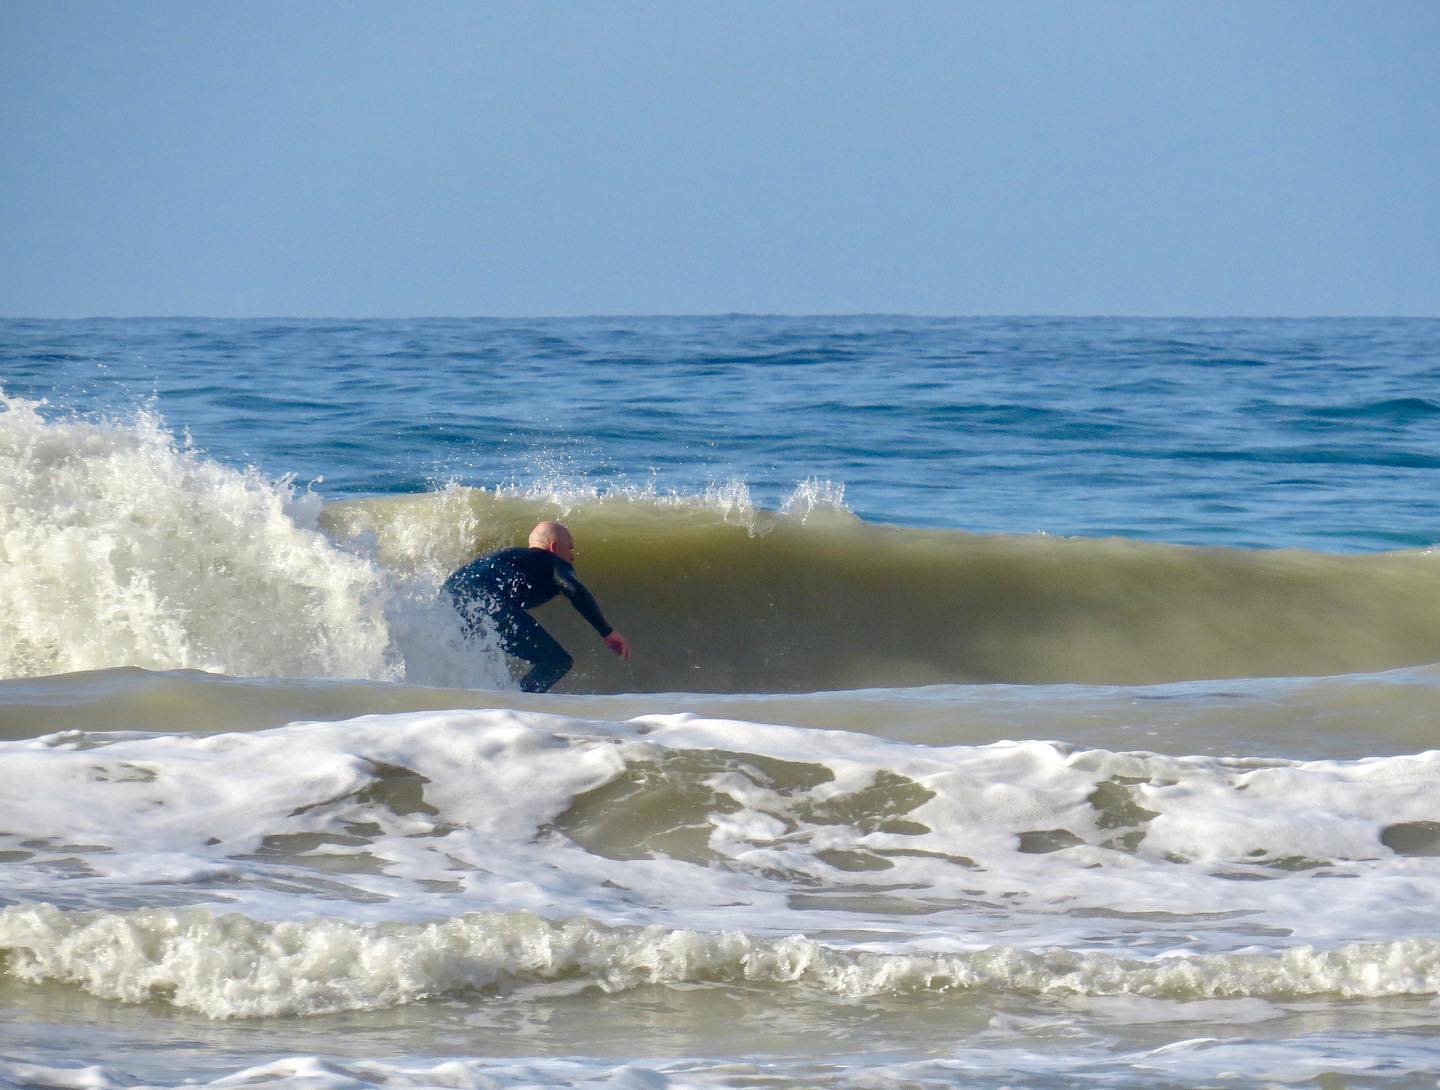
x=554, y=538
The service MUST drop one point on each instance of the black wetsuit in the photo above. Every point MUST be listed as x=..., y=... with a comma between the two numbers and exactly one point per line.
x=501, y=586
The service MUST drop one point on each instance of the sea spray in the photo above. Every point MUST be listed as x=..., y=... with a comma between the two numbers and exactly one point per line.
x=121, y=546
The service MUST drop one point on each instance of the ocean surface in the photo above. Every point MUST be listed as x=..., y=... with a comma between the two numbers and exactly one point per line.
x=1040, y=703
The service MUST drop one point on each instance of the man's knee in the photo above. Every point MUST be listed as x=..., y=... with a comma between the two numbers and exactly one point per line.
x=547, y=672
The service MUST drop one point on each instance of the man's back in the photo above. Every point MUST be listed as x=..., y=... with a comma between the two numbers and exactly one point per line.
x=521, y=577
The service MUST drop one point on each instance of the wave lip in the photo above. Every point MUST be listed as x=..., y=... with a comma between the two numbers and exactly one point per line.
x=231, y=966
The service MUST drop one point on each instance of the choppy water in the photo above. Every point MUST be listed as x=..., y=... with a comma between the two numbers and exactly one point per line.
x=1016, y=703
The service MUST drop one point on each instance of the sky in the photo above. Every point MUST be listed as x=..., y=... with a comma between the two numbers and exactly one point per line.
x=364, y=159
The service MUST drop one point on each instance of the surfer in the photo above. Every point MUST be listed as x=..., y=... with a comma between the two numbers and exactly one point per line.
x=501, y=586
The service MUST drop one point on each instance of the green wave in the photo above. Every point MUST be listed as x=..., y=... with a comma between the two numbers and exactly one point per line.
x=718, y=596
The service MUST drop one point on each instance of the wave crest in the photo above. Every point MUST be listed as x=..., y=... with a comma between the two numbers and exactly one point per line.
x=231, y=966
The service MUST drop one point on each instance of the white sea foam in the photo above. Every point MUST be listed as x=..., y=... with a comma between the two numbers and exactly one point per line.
x=685, y=823
x=231, y=966
x=120, y=546
x=732, y=499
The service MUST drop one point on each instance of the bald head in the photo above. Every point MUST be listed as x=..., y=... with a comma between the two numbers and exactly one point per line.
x=555, y=538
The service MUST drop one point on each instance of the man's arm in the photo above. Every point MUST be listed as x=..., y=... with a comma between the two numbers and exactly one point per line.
x=584, y=603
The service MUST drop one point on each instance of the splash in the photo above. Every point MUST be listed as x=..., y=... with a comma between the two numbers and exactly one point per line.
x=814, y=495
x=120, y=545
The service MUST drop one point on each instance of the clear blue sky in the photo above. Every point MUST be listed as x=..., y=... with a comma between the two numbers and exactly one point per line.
x=393, y=159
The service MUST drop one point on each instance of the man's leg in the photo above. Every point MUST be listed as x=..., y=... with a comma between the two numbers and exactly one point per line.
x=523, y=637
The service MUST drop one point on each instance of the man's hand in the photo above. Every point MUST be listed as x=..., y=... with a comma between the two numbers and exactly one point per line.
x=619, y=645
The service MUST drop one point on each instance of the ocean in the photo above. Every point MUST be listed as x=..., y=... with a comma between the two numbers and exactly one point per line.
x=1016, y=702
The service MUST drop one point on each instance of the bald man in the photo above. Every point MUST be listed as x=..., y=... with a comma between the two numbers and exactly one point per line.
x=501, y=586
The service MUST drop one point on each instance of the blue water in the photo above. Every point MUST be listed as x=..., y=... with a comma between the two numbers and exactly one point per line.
x=1322, y=433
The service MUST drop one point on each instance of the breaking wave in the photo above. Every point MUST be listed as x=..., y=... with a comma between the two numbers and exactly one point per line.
x=230, y=966
x=122, y=546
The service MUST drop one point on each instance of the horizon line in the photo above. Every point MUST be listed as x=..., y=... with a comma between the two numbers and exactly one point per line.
x=699, y=315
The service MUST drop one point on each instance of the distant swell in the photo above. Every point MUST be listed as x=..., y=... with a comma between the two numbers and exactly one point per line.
x=235, y=967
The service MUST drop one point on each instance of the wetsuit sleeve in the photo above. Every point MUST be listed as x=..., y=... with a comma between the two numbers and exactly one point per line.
x=583, y=601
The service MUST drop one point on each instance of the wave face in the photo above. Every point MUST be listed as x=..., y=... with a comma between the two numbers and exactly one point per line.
x=721, y=596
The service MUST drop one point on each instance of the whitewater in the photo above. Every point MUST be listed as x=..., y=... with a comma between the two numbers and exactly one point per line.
x=1016, y=702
